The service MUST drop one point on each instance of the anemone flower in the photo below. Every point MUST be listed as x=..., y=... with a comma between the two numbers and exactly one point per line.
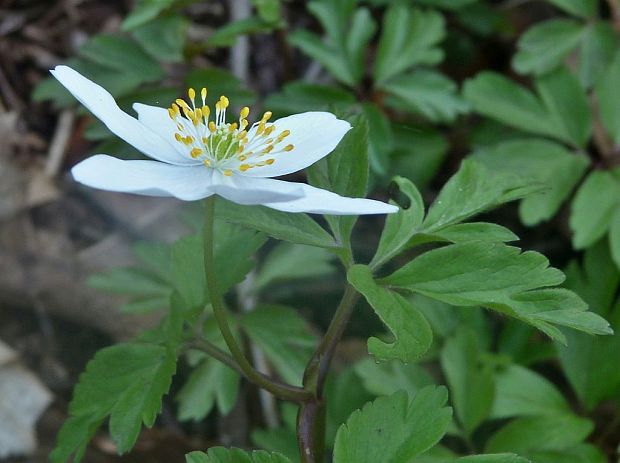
x=197, y=155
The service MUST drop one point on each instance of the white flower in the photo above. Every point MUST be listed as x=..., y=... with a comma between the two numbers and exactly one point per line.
x=197, y=156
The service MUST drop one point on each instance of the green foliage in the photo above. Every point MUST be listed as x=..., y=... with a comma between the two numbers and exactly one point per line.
x=222, y=455
x=412, y=333
x=125, y=382
x=394, y=428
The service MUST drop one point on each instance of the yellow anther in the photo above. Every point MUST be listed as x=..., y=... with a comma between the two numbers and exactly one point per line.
x=232, y=127
x=188, y=140
x=288, y=148
x=206, y=162
x=212, y=126
x=227, y=172
x=268, y=149
x=283, y=135
x=266, y=116
x=203, y=94
x=171, y=113
x=182, y=103
x=244, y=124
x=270, y=161
x=205, y=140
x=206, y=111
x=269, y=129
x=244, y=167
x=261, y=128
x=195, y=152
x=188, y=113
x=224, y=103
x=241, y=134
x=191, y=93
x=242, y=158
x=198, y=113
x=175, y=108
x=245, y=112
x=178, y=137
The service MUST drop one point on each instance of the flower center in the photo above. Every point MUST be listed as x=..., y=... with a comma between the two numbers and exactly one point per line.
x=226, y=146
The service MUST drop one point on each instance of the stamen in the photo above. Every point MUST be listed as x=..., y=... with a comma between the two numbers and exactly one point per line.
x=195, y=152
x=288, y=148
x=227, y=172
x=191, y=93
x=244, y=167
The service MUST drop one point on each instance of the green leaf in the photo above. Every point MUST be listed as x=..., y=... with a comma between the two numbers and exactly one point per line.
x=123, y=55
x=145, y=11
x=297, y=97
x=226, y=35
x=296, y=228
x=268, y=10
x=567, y=105
x=543, y=161
x=614, y=237
x=551, y=432
x=546, y=45
x=410, y=37
x=386, y=378
x=472, y=190
x=360, y=32
x=501, y=278
x=130, y=281
x=493, y=458
x=293, y=261
x=583, y=8
x=452, y=5
x=380, y=138
x=224, y=455
x=284, y=337
x=211, y=383
x=593, y=208
x=345, y=172
x=163, y=38
x=598, y=47
x=412, y=333
x=394, y=428
x=125, y=382
x=400, y=227
x=465, y=232
x=429, y=93
x=561, y=113
x=606, y=90
x=523, y=392
x=472, y=388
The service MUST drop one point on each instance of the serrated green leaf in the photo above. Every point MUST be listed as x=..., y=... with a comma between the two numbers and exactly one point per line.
x=606, y=90
x=501, y=278
x=386, y=378
x=296, y=228
x=283, y=336
x=163, y=38
x=544, y=161
x=593, y=208
x=583, y=8
x=125, y=382
x=400, y=227
x=528, y=435
x=465, y=232
x=523, y=392
x=226, y=35
x=380, y=138
x=453, y=5
x=472, y=190
x=410, y=37
x=224, y=455
x=614, y=237
x=546, y=45
x=394, y=428
x=293, y=261
x=427, y=92
x=493, y=458
x=412, y=333
x=130, y=281
x=471, y=383
x=360, y=32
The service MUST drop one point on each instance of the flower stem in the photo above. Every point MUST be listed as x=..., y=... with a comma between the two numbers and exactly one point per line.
x=283, y=391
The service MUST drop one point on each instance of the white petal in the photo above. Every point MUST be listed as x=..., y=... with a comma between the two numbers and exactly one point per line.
x=150, y=178
x=251, y=191
x=313, y=134
x=318, y=201
x=102, y=105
